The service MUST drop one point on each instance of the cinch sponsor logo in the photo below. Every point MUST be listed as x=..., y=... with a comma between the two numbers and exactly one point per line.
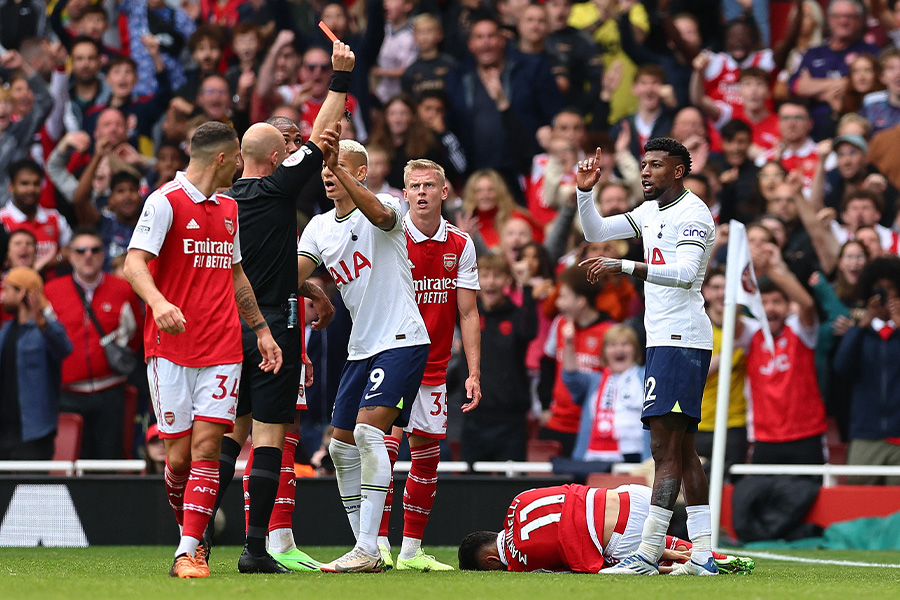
x=693, y=231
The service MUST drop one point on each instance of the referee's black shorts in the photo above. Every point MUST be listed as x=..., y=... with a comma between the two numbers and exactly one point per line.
x=271, y=398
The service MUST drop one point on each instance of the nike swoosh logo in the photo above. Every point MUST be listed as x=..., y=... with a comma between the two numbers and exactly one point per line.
x=367, y=396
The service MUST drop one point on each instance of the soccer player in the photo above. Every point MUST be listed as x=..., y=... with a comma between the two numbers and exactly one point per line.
x=362, y=244
x=678, y=233
x=266, y=197
x=184, y=260
x=574, y=528
x=445, y=277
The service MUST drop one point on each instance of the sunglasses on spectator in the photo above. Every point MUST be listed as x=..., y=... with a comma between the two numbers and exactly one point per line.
x=86, y=249
x=317, y=67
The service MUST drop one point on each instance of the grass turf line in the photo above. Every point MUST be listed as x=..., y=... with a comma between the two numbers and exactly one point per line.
x=140, y=572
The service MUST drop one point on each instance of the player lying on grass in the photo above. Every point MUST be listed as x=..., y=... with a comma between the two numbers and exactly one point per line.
x=575, y=528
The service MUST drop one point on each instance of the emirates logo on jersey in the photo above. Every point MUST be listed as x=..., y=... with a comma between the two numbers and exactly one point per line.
x=450, y=262
x=229, y=226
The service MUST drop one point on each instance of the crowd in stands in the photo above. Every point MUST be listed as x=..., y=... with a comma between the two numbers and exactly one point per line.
x=791, y=111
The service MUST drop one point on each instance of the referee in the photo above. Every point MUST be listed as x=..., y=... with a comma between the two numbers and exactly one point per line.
x=266, y=197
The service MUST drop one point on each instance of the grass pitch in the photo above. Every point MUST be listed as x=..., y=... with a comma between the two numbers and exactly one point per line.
x=113, y=572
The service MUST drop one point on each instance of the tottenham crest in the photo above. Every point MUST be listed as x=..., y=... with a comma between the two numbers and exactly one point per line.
x=450, y=262
x=229, y=226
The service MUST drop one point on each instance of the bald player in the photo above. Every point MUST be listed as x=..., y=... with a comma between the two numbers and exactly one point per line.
x=266, y=196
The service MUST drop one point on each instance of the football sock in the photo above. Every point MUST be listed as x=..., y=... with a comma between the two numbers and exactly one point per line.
x=699, y=524
x=175, y=483
x=263, y=486
x=281, y=534
x=227, y=459
x=418, y=497
x=393, y=449
x=199, y=499
x=245, y=481
x=347, y=470
x=376, y=477
x=653, y=539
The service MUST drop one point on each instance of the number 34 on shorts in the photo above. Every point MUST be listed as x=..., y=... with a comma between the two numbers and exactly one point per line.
x=429, y=412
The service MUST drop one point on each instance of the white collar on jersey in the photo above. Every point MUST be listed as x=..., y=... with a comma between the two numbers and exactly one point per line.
x=419, y=237
x=501, y=547
x=40, y=216
x=196, y=195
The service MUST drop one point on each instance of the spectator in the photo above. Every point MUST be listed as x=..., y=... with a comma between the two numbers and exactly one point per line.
x=866, y=79
x=853, y=170
x=788, y=412
x=552, y=176
x=430, y=69
x=740, y=176
x=796, y=151
x=376, y=177
x=32, y=348
x=207, y=46
x=16, y=135
x=576, y=304
x=87, y=86
x=21, y=250
x=653, y=117
x=578, y=66
x=116, y=222
x=486, y=201
x=821, y=76
x=497, y=430
x=863, y=208
x=869, y=238
x=154, y=452
x=798, y=249
x=21, y=19
x=246, y=43
x=867, y=358
x=610, y=430
x=432, y=110
x=882, y=109
x=49, y=227
x=93, y=22
x=90, y=387
x=170, y=159
x=398, y=50
x=812, y=24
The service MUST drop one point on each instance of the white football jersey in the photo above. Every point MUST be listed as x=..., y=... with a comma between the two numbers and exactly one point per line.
x=371, y=269
x=675, y=316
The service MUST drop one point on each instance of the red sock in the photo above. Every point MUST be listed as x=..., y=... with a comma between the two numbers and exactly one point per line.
x=421, y=486
x=283, y=511
x=246, y=481
x=175, y=482
x=393, y=449
x=200, y=497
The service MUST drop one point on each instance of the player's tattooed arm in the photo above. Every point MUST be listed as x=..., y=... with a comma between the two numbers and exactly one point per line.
x=249, y=312
x=321, y=303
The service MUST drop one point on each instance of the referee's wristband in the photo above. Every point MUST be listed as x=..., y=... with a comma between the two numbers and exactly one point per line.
x=340, y=82
x=261, y=325
x=627, y=266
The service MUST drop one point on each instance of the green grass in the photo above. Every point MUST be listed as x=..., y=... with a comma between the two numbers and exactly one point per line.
x=102, y=572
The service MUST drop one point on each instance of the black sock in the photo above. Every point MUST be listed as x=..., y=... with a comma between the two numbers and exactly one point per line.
x=263, y=488
x=227, y=459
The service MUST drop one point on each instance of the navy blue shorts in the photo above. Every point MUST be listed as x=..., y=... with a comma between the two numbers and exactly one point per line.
x=673, y=382
x=390, y=378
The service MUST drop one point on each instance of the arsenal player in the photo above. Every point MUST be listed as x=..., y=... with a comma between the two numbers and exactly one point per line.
x=184, y=260
x=445, y=278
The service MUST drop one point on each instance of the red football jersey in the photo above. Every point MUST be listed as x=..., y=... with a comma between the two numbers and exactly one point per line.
x=48, y=226
x=787, y=405
x=721, y=79
x=555, y=529
x=193, y=270
x=566, y=415
x=804, y=159
x=440, y=265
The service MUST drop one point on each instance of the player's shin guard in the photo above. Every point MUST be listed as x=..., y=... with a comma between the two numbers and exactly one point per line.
x=699, y=525
x=393, y=449
x=199, y=499
x=263, y=486
x=227, y=459
x=245, y=481
x=281, y=534
x=418, y=497
x=376, y=477
x=175, y=483
x=653, y=539
x=347, y=469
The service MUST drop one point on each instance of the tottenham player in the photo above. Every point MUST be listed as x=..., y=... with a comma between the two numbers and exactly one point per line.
x=575, y=528
x=362, y=244
x=184, y=261
x=445, y=277
x=266, y=196
x=678, y=233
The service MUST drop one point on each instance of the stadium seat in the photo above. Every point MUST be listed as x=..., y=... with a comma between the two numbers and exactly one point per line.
x=543, y=450
x=68, y=437
x=131, y=402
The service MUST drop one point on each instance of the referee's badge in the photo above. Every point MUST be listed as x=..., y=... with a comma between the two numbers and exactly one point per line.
x=450, y=262
x=229, y=225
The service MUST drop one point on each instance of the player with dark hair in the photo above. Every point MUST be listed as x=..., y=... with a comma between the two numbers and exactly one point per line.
x=678, y=233
x=574, y=528
x=184, y=260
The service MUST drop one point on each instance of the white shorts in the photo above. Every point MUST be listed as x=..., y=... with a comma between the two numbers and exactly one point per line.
x=626, y=543
x=429, y=412
x=182, y=395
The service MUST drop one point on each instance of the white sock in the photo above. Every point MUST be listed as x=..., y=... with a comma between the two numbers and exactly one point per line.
x=376, y=478
x=410, y=547
x=281, y=540
x=348, y=470
x=653, y=539
x=187, y=545
x=699, y=525
x=384, y=541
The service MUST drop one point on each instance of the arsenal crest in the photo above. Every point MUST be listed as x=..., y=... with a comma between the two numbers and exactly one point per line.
x=450, y=262
x=747, y=280
x=169, y=417
x=229, y=225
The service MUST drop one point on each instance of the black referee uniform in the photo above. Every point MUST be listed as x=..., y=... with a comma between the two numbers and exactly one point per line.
x=268, y=232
